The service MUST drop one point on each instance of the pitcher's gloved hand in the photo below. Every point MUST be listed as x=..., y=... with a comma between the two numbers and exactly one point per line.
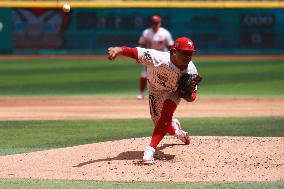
x=187, y=85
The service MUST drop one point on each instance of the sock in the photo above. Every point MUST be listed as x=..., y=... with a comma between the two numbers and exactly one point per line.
x=142, y=84
x=171, y=129
x=164, y=123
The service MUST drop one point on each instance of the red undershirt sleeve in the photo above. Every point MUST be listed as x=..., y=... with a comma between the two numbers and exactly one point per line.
x=130, y=52
x=192, y=97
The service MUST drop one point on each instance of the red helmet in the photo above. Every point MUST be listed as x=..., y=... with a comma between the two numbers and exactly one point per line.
x=184, y=44
x=156, y=19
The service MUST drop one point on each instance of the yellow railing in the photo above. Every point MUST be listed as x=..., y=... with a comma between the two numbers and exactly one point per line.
x=144, y=4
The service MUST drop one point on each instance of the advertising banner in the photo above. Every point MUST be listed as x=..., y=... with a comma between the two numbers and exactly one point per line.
x=96, y=29
x=39, y=28
x=5, y=31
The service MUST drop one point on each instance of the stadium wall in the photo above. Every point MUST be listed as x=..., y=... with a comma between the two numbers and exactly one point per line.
x=91, y=30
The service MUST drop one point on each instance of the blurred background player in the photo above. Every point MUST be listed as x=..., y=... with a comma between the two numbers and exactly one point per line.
x=155, y=37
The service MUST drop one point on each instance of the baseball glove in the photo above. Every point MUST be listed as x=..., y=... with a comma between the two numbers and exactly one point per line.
x=187, y=84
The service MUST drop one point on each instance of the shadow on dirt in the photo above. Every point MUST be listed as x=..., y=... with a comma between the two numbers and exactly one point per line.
x=134, y=155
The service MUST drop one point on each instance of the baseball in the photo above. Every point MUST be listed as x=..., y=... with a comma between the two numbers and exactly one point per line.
x=66, y=7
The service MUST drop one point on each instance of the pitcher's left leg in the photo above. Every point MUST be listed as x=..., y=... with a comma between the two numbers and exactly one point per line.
x=164, y=122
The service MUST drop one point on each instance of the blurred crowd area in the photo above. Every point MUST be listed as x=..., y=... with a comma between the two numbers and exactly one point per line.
x=151, y=0
x=229, y=30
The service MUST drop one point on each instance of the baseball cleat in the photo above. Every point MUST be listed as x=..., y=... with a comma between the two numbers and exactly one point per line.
x=148, y=157
x=179, y=133
x=140, y=96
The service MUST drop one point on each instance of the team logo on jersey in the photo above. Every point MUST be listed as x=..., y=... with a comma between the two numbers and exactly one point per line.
x=147, y=55
x=162, y=79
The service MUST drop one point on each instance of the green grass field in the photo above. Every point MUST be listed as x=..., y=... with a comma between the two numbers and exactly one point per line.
x=63, y=184
x=26, y=136
x=60, y=77
x=232, y=78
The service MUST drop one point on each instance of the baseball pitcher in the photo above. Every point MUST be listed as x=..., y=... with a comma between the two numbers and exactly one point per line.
x=171, y=77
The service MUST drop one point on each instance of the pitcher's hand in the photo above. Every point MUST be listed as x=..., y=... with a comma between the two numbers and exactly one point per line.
x=113, y=52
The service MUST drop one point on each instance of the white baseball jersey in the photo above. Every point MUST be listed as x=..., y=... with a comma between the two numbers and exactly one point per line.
x=159, y=40
x=163, y=77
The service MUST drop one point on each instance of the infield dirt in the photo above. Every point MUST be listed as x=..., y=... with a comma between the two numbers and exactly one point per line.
x=205, y=159
x=69, y=108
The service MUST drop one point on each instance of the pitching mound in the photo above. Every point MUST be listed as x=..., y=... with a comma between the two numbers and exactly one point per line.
x=205, y=159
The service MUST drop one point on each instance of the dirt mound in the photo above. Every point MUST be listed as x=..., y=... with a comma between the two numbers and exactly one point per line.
x=205, y=159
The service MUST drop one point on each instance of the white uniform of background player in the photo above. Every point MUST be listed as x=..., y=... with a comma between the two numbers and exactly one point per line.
x=157, y=38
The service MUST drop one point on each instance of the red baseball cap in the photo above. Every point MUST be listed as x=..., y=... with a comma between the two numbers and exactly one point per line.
x=184, y=44
x=156, y=19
